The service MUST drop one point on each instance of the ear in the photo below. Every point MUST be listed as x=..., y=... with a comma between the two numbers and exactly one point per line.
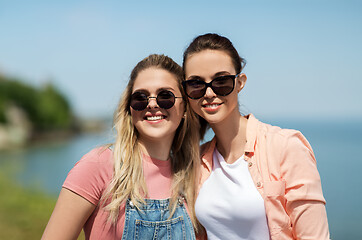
x=240, y=82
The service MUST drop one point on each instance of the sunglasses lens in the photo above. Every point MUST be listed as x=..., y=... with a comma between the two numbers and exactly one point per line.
x=195, y=88
x=223, y=85
x=139, y=101
x=165, y=99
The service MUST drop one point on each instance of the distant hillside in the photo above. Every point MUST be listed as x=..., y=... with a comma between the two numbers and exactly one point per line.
x=46, y=107
x=31, y=111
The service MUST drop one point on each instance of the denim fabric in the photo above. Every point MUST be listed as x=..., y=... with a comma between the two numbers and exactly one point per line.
x=151, y=221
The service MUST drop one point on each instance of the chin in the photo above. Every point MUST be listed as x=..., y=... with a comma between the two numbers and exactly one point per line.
x=212, y=118
x=157, y=135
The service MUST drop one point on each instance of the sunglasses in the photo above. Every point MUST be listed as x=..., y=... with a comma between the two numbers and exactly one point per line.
x=165, y=99
x=221, y=86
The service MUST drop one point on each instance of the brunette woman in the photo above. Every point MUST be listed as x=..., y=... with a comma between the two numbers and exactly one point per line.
x=257, y=181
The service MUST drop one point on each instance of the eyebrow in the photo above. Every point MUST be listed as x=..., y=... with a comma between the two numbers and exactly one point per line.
x=166, y=88
x=222, y=73
x=143, y=90
x=218, y=74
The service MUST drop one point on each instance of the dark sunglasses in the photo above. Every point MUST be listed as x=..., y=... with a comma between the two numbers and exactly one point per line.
x=221, y=86
x=165, y=99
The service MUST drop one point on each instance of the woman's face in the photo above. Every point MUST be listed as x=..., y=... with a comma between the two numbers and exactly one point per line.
x=155, y=123
x=205, y=66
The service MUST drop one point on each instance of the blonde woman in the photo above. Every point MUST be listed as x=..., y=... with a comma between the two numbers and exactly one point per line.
x=257, y=181
x=138, y=190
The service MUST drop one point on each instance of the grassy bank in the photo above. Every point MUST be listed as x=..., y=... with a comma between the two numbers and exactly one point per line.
x=23, y=213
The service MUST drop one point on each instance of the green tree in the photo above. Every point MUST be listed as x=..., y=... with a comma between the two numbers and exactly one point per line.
x=46, y=108
x=53, y=109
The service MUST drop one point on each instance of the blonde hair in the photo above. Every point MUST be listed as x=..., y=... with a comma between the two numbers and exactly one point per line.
x=128, y=180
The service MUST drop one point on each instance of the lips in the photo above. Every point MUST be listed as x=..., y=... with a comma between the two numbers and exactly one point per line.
x=213, y=105
x=154, y=117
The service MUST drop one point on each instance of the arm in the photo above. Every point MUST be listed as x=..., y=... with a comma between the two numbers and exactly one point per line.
x=305, y=203
x=70, y=214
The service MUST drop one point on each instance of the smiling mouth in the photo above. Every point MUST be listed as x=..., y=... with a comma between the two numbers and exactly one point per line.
x=155, y=118
x=215, y=105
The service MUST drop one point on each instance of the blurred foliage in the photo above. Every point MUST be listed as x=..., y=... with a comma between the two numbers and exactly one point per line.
x=53, y=109
x=2, y=108
x=46, y=107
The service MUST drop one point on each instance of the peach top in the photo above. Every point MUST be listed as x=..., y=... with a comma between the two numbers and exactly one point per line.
x=283, y=168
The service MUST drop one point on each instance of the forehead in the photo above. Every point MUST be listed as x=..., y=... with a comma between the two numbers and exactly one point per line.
x=208, y=62
x=152, y=79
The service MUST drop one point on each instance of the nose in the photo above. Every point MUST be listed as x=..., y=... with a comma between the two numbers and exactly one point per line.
x=152, y=102
x=209, y=93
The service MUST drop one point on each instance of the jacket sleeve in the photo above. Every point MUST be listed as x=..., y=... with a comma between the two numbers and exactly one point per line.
x=305, y=203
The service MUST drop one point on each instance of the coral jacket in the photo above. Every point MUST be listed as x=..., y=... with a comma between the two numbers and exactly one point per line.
x=283, y=167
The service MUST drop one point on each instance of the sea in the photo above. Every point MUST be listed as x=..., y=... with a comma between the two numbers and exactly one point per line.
x=337, y=147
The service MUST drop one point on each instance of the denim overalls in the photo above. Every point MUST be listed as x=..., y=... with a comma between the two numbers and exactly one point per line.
x=151, y=221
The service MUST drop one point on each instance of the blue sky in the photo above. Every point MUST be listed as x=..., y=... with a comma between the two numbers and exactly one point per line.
x=304, y=58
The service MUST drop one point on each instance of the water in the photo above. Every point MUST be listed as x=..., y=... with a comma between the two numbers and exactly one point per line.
x=337, y=148
x=45, y=167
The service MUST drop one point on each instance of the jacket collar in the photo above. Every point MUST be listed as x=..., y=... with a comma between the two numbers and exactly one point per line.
x=251, y=127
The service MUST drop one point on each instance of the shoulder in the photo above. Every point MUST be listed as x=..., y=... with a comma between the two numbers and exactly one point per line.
x=259, y=133
x=280, y=135
x=280, y=141
x=100, y=155
x=275, y=131
x=98, y=164
x=288, y=147
x=91, y=175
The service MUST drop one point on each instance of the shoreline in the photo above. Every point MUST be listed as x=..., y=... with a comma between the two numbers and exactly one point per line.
x=14, y=137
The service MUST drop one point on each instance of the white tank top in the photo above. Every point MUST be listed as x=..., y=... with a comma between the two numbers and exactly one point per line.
x=229, y=206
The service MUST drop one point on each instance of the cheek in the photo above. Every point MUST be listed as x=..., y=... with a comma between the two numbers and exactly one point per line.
x=234, y=98
x=132, y=113
x=135, y=116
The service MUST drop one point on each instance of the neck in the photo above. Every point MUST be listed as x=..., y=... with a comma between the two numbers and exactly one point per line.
x=156, y=149
x=231, y=136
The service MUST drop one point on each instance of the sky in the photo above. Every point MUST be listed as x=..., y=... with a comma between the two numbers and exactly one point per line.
x=304, y=57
